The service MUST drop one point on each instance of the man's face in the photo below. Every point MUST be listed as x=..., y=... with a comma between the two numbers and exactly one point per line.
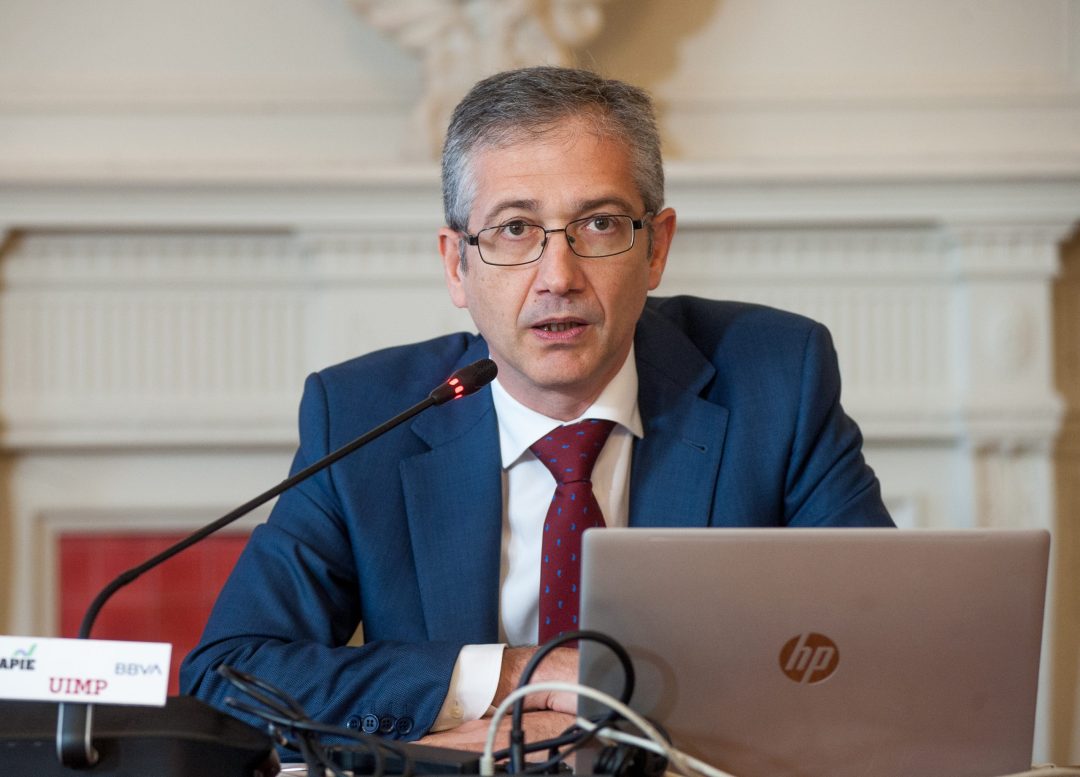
x=559, y=328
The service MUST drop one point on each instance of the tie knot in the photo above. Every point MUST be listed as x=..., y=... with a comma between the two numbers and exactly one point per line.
x=569, y=452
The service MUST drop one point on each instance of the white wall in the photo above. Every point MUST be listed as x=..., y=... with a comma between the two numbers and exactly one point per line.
x=270, y=86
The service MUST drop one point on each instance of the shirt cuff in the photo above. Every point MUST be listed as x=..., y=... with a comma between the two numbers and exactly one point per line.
x=472, y=685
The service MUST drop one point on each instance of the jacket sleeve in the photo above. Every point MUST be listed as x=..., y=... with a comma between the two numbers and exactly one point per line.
x=291, y=605
x=828, y=481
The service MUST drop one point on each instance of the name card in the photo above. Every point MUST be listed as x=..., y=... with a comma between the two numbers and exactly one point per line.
x=96, y=671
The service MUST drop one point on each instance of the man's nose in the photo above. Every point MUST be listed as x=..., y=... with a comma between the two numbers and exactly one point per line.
x=559, y=268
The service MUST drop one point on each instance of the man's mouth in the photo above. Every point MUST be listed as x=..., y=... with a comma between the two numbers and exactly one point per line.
x=558, y=326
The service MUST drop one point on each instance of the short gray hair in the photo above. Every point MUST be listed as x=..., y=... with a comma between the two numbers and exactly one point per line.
x=529, y=103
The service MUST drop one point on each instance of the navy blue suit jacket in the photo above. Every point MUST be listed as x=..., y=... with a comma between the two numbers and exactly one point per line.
x=743, y=427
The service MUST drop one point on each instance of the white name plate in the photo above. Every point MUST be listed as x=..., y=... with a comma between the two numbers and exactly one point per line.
x=90, y=670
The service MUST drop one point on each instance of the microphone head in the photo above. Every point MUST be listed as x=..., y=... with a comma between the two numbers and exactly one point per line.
x=467, y=380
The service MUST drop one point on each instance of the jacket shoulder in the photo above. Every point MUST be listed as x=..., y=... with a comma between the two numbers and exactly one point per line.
x=733, y=336
x=385, y=381
x=419, y=362
x=707, y=319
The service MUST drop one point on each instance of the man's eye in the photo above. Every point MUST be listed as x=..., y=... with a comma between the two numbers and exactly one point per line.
x=599, y=225
x=513, y=229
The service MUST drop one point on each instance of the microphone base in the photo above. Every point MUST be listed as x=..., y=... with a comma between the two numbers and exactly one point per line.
x=183, y=738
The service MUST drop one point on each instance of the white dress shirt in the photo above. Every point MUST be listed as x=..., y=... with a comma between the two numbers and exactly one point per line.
x=528, y=487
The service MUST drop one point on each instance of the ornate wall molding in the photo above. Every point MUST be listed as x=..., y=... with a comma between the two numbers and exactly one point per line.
x=822, y=254
x=461, y=41
x=1004, y=250
x=184, y=337
x=1005, y=342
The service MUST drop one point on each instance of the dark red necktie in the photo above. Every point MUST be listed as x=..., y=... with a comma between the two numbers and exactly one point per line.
x=569, y=453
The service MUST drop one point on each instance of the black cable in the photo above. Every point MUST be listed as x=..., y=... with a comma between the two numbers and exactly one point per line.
x=569, y=735
x=305, y=743
x=576, y=740
x=517, y=735
x=578, y=737
x=313, y=759
x=285, y=712
x=274, y=698
x=371, y=745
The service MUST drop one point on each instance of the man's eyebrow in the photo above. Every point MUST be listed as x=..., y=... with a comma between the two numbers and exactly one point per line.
x=526, y=205
x=623, y=206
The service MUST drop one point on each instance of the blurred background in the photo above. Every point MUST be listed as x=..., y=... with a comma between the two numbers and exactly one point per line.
x=201, y=202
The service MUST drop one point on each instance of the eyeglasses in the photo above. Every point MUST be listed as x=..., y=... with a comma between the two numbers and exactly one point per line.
x=519, y=242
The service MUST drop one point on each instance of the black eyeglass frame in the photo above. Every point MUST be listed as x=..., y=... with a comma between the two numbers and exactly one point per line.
x=474, y=240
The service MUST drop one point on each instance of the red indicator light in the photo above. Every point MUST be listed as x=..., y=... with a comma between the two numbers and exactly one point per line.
x=455, y=382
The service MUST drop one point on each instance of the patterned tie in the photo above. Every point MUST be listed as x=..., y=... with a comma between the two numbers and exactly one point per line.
x=569, y=453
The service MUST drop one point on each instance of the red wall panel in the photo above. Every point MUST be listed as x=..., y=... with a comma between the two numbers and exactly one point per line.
x=168, y=604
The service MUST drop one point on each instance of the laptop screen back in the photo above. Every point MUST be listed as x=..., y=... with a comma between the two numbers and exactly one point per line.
x=825, y=651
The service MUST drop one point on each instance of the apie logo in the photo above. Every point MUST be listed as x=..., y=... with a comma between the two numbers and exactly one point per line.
x=809, y=658
x=20, y=659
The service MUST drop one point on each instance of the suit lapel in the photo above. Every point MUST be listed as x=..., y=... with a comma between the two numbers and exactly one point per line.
x=677, y=462
x=453, y=492
x=453, y=497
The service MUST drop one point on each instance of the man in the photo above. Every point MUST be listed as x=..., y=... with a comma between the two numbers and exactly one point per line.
x=720, y=414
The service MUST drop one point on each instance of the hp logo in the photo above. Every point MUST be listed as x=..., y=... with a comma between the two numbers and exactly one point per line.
x=809, y=658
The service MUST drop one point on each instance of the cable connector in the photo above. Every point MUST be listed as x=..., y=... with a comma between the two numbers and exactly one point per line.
x=682, y=762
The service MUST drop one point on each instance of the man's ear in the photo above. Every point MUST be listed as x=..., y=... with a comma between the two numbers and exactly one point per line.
x=663, y=231
x=450, y=250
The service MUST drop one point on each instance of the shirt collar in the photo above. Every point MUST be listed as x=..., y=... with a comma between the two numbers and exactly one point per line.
x=520, y=427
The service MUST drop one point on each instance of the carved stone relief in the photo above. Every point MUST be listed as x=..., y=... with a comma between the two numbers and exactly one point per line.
x=462, y=41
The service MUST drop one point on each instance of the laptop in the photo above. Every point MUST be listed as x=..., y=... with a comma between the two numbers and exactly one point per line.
x=825, y=652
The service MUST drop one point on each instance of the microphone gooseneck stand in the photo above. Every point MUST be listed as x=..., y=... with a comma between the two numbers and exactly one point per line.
x=74, y=727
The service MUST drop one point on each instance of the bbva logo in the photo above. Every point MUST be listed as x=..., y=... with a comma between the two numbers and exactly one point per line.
x=809, y=658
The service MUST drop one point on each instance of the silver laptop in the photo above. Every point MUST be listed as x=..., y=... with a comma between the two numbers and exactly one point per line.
x=825, y=652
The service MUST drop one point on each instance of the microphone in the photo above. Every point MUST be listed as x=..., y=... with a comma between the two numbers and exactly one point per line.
x=74, y=742
x=465, y=381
